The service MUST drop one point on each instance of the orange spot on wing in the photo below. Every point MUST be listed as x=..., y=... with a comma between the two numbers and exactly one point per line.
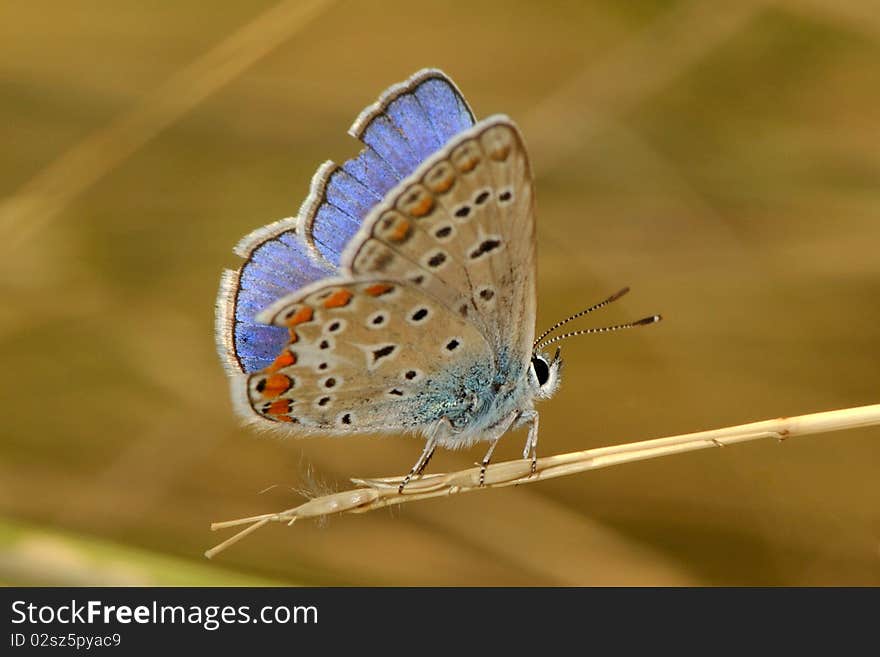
x=401, y=231
x=443, y=184
x=285, y=418
x=378, y=289
x=466, y=158
x=497, y=142
x=285, y=359
x=279, y=407
x=500, y=152
x=441, y=178
x=304, y=314
x=338, y=299
x=276, y=385
x=422, y=207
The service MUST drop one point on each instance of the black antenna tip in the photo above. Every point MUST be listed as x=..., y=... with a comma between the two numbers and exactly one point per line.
x=647, y=320
x=617, y=295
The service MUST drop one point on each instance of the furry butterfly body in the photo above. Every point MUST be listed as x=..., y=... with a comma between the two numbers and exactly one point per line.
x=402, y=297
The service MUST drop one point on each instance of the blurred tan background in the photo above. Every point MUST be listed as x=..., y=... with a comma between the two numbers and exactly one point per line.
x=720, y=158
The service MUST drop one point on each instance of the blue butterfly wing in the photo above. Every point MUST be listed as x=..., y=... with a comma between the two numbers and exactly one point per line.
x=408, y=123
x=276, y=262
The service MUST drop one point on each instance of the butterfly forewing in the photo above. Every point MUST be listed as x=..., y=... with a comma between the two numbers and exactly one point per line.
x=404, y=127
x=461, y=229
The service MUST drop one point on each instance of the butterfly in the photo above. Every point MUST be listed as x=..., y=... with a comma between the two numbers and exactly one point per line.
x=401, y=298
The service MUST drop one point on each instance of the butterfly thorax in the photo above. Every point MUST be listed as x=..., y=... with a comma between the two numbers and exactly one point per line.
x=474, y=399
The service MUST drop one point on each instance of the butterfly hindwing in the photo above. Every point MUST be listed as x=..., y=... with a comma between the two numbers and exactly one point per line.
x=365, y=355
x=276, y=263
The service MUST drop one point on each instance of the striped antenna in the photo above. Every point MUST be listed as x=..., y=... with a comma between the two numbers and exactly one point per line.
x=605, y=329
x=585, y=311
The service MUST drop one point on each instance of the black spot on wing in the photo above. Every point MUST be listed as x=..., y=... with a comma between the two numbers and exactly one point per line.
x=383, y=352
x=437, y=259
x=486, y=246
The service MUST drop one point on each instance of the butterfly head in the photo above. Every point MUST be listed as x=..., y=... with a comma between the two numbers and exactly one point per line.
x=544, y=373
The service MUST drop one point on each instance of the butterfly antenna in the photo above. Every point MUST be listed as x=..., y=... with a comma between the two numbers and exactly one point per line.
x=585, y=311
x=605, y=329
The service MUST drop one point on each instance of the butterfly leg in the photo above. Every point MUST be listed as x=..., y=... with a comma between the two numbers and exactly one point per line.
x=501, y=428
x=421, y=463
x=531, y=448
x=485, y=462
x=425, y=461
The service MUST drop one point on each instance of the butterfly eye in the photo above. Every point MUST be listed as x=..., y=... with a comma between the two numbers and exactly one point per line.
x=541, y=370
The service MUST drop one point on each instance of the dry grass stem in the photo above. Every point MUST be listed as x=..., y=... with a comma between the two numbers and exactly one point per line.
x=377, y=493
